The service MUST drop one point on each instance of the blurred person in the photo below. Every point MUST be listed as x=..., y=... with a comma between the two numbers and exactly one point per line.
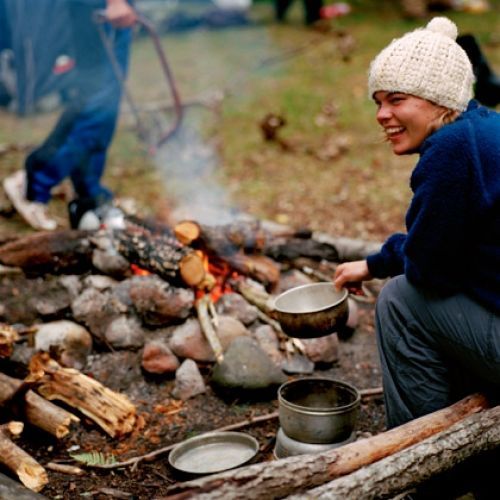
x=438, y=318
x=312, y=9
x=78, y=144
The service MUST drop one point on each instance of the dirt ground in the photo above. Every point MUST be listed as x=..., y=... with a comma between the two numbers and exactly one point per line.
x=163, y=420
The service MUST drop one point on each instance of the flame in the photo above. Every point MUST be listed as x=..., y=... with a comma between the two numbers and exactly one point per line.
x=215, y=283
x=138, y=271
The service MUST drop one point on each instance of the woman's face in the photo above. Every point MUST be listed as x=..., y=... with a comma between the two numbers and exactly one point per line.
x=406, y=119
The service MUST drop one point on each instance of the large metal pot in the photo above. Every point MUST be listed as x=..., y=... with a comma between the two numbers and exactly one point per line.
x=313, y=310
x=318, y=410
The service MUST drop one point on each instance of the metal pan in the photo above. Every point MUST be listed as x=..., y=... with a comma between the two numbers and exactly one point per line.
x=213, y=452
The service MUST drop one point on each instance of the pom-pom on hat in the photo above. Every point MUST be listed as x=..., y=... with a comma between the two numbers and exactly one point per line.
x=426, y=63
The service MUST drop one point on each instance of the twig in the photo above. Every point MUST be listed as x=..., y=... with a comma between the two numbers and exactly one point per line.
x=65, y=469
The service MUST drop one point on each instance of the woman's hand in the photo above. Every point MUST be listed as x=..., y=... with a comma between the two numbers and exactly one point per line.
x=351, y=272
x=120, y=14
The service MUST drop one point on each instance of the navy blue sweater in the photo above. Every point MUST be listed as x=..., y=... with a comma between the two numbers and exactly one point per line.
x=452, y=243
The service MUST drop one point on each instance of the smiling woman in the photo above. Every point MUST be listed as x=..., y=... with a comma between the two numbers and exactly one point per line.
x=438, y=319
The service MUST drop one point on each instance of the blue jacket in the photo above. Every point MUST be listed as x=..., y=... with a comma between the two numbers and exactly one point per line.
x=452, y=243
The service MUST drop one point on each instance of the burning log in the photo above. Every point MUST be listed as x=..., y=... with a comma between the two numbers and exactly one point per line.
x=35, y=409
x=229, y=243
x=112, y=411
x=160, y=255
x=300, y=473
x=7, y=338
x=29, y=471
x=399, y=472
x=49, y=252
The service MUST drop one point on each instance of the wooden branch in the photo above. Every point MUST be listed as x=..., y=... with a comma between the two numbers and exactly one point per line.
x=411, y=467
x=7, y=338
x=12, y=489
x=65, y=469
x=159, y=255
x=207, y=328
x=112, y=411
x=47, y=416
x=300, y=473
x=29, y=471
x=53, y=251
x=35, y=409
x=253, y=293
x=348, y=249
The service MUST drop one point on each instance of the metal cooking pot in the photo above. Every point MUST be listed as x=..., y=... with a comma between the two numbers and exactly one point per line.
x=313, y=310
x=318, y=410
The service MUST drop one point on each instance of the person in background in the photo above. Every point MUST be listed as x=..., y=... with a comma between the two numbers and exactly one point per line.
x=312, y=10
x=77, y=146
x=438, y=318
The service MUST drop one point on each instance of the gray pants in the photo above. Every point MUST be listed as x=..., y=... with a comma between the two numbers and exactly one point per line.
x=434, y=350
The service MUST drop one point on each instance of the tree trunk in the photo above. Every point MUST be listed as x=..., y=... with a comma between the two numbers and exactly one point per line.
x=53, y=252
x=300, y=473
x=413, y=466
x=29, y=471
x=112, y=411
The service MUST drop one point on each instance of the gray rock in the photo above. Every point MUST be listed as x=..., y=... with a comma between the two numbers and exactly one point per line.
x=246, y=367
x=322, y=349
x=228, y=329
x=125, y=332
x=297, y=363
x=188, y=381
x=233, y=304
x=268, y=341
x=72, y=342
x=188, y=341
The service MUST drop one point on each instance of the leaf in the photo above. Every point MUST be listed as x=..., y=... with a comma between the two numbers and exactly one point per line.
x=94, y=458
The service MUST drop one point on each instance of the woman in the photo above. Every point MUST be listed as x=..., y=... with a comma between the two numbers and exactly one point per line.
x=438, y=319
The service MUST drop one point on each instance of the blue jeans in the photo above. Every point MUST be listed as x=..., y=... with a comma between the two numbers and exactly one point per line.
x=78, y=144
x=434, y=350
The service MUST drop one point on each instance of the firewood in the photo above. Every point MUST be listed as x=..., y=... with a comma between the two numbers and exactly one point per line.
x=157, y=254
x=112, y=411
x=297, y=474
x=48, y=416
x=35, y=409
x=207, y=328
x=409, y=468
x=54, y=252
x=29, y=471
x=229, y=243
x=12, y=489
x=7, y=338
x=254, y=293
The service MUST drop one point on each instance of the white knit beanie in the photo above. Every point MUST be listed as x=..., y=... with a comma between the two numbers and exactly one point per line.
x=426, y=63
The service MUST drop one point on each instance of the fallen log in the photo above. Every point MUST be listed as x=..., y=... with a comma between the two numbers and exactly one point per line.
x=112, y=411
x=12, y=489
x=159, y=255
x=29, y=471
x=300, y=473
x=55, y=252
x=406, y=469
x=34, y=409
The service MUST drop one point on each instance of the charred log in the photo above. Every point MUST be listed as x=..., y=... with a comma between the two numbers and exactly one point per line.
x=161, y=255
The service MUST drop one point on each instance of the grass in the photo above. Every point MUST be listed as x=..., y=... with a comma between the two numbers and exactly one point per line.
x=298, y=73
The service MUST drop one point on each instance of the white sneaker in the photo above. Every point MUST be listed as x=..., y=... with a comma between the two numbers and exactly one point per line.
x=33, y=212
